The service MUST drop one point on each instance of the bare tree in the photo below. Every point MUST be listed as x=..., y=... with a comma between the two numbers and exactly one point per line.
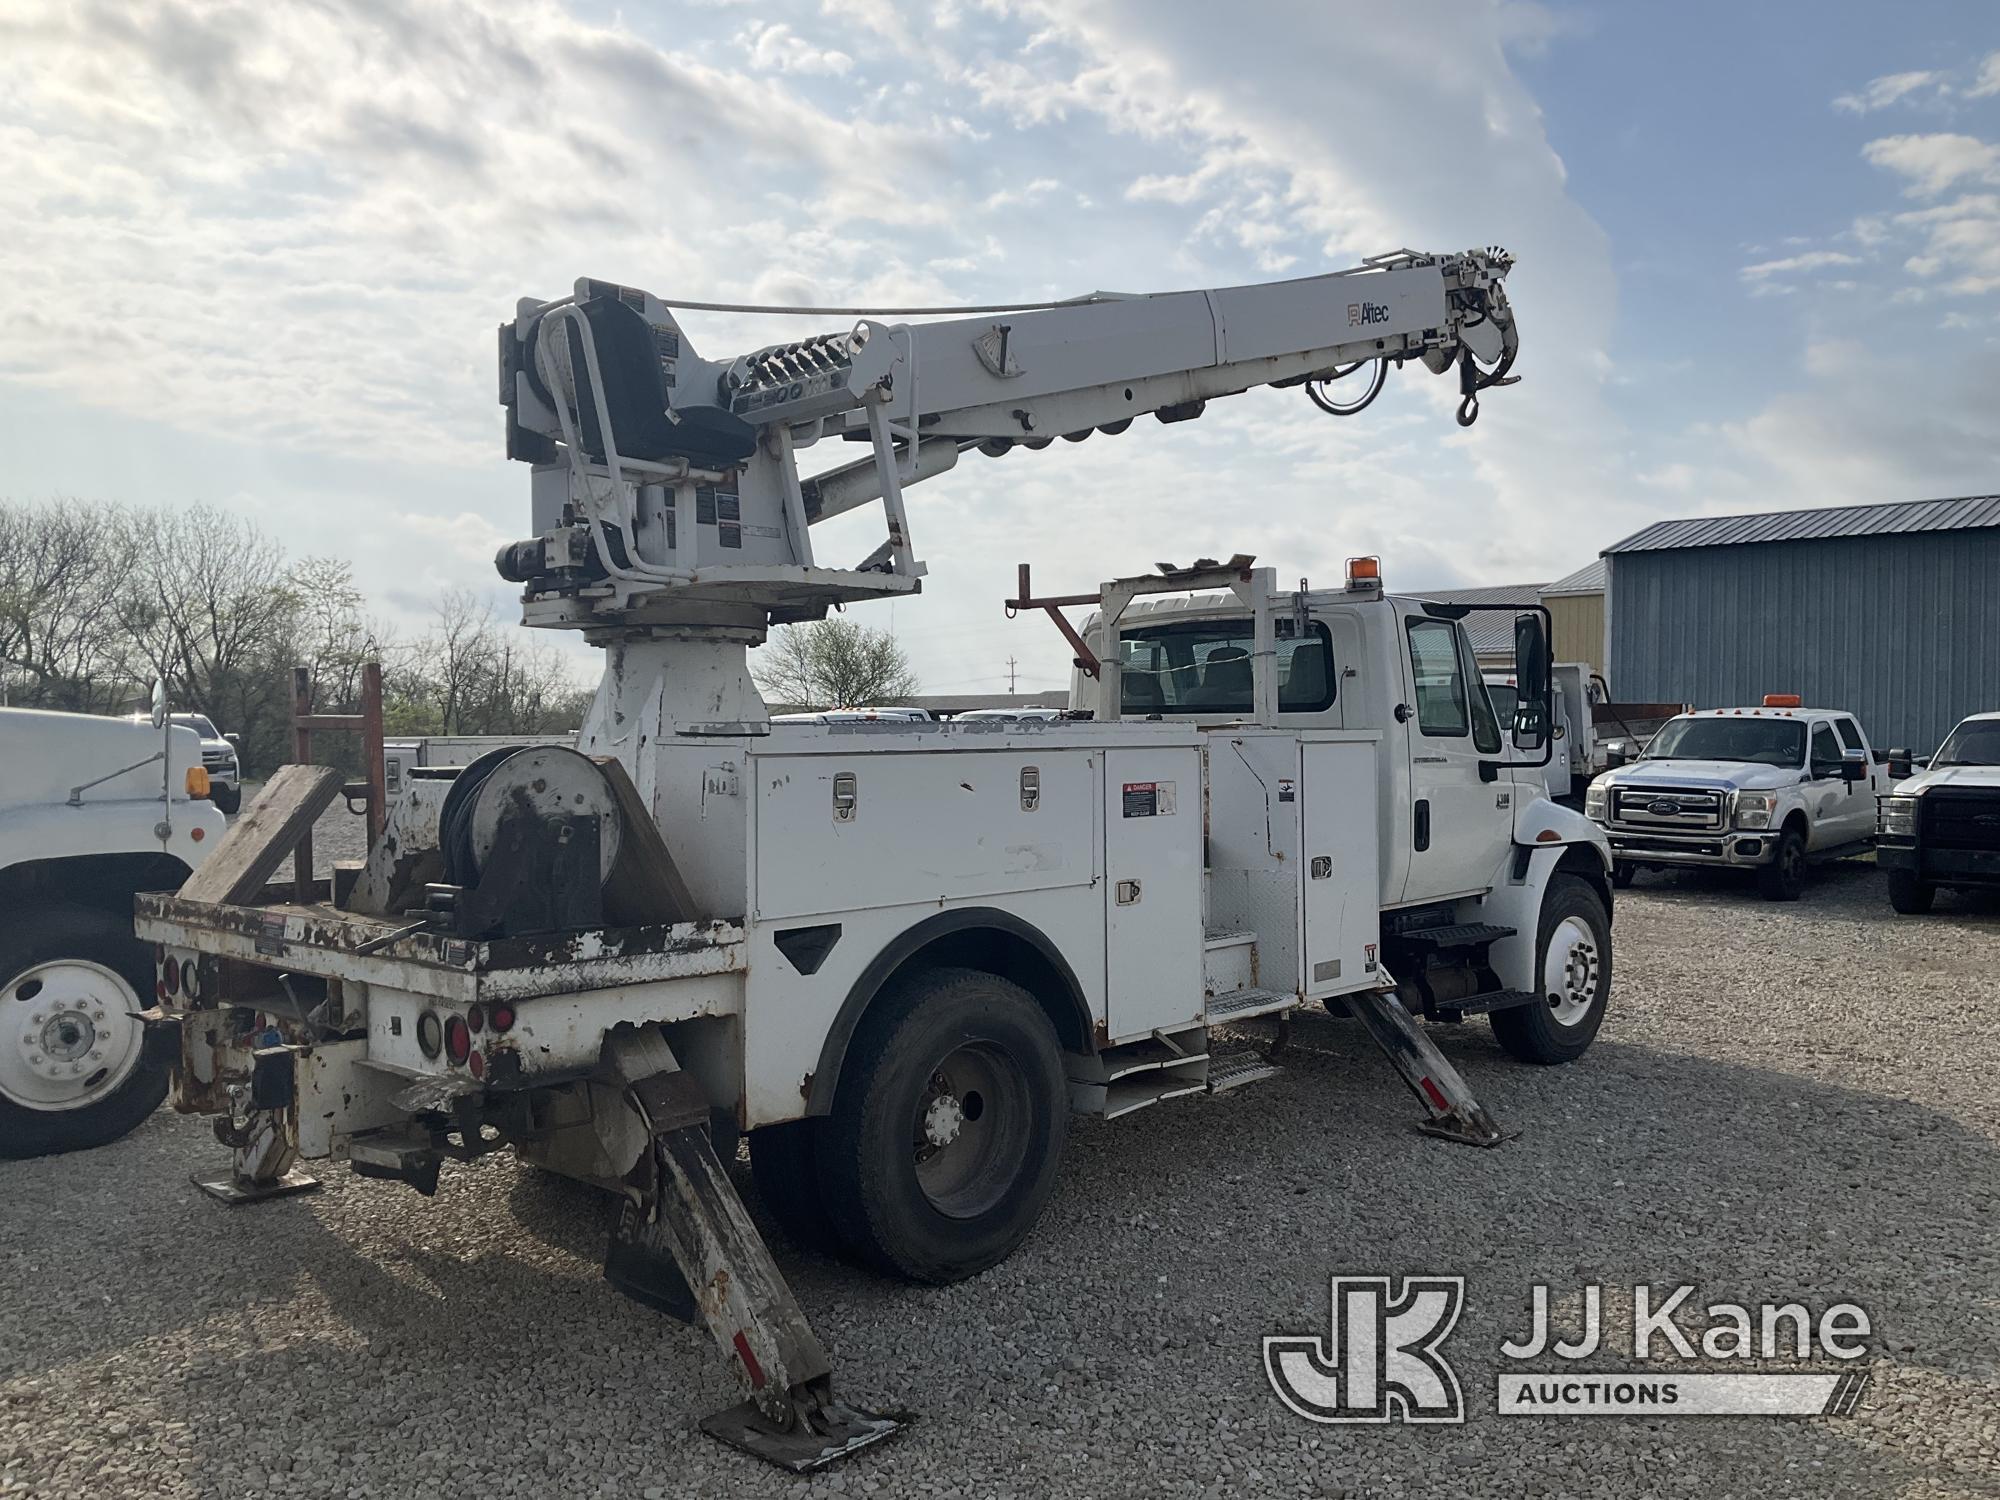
x=833, y=663
x=65, y=566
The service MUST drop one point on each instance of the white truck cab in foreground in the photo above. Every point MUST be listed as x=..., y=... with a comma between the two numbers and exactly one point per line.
x=1941, y=826
x=92, y=811
x=1768, y=789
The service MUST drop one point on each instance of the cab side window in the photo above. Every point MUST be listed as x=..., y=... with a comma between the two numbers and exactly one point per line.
x=1825, y=750
x=1850, y=735
x=1440, y=678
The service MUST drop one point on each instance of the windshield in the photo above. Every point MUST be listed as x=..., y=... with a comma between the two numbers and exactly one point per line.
x=1976, y=742
x=1204, y=667
x=199, y=724
x=1771, y=742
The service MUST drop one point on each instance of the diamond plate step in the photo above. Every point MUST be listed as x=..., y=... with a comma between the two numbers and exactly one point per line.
x=1480, y=1005
x=1231, y=1070
x=1456, y=934
x=1241, y=1005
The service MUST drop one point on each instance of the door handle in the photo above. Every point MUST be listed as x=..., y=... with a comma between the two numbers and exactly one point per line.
x=1422, y=831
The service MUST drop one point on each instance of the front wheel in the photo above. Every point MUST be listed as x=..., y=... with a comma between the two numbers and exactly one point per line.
x=72, y=1073
x=1573, y=970
x=1909, y=895
x=1784, y=878
x=947, y=1128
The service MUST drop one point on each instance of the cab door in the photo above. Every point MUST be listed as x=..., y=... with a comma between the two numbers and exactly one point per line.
x=1459, y=824
x=1849, y=806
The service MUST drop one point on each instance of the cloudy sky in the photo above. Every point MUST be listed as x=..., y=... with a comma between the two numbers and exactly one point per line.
x=254, y=254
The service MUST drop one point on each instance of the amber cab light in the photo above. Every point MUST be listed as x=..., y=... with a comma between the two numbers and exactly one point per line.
x=1783, y=700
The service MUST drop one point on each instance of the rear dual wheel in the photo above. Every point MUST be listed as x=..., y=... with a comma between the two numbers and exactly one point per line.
x=945, y=1136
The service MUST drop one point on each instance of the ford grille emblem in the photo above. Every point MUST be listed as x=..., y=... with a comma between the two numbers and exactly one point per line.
x=1664, y=809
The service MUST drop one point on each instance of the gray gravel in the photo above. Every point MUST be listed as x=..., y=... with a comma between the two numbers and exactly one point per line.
x=1786, y=1102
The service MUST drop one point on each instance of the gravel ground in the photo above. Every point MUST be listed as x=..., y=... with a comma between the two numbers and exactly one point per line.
x=1786, y=1102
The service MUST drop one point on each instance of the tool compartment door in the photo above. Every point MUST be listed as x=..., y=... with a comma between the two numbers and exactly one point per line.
x=1152, y=888
x=1343, y=918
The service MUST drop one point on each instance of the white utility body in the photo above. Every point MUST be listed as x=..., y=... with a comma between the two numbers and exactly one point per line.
x=898, y=954
x=1770, y=789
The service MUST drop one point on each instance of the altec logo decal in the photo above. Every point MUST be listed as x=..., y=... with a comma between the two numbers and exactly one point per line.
x=1362, y=314
x=1382, y=1359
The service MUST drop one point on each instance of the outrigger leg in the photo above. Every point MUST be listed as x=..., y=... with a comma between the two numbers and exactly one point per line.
x=1454, y=1113
x=690, y=1222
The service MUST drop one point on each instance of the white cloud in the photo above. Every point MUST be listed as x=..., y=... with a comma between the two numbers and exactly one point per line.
x=778, y=48
x=1933, y=163
x=1811, y=260
x=1880, y=93
x=1988, y=82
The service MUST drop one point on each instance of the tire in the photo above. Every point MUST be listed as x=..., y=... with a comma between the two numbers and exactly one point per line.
x=782, y=1161
x=1784, y=878
x=1623, y=872
x=947, y=1050
x=1909, y=895
x=89, y=964
x=227, y=799
x=1576, y=930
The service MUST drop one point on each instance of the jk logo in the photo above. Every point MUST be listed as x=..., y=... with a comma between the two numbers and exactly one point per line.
x=1381, y=1361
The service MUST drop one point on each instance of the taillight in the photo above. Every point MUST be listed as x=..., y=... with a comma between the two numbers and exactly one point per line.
x=190, y=980
x=477, y=1064
x=501, y=1018
x=430, y=1034
x=170, y=976
x=476, y=1018
x=457, y=1040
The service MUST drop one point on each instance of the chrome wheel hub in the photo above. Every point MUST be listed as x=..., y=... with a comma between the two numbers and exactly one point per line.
x=1570, y=971
x=69, y=1034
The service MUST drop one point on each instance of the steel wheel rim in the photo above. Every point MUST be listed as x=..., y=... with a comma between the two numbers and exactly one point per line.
x=69, y=1035
x=1570, y=971
x=970, y=1134
x=1791, y=859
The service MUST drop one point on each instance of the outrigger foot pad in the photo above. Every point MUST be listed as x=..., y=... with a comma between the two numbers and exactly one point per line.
x=819, y=1430
x=227, y=1187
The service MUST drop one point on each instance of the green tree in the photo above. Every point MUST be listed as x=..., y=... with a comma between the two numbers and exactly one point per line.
x=833, y=663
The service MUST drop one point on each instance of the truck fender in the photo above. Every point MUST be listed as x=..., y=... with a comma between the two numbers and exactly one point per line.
x=980, y=937
x=44, y=830
x=1548, y=839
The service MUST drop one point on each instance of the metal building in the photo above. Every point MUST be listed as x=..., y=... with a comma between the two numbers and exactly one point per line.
x=1576, y=615
x=1891, y=611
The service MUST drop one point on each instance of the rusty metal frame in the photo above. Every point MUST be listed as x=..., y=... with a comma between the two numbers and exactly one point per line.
x=1085, y=657
x=367, y=724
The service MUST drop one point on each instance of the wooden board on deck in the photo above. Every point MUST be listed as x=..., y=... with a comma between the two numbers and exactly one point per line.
x=268, y=830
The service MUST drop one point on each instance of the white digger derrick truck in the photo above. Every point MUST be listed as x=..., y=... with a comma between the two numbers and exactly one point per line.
x=898, y=955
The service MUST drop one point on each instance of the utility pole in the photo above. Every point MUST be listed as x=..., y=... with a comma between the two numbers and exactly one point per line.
x=1011, y=664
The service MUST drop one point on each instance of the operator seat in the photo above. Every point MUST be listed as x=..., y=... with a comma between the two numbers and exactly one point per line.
x=1225, y=681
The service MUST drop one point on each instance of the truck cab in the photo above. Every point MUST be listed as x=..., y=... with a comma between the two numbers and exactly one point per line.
x=1941, y=826
x=1769, y=789
x=92, y=811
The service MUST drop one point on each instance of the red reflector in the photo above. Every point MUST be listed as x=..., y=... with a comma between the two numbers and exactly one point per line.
x=1548, y=836
x=501, y=1018
x=749, y=1360
x=197, y=834
x=476, y=1018
x=476, y=1064
x=170, y=972
x=160, y=988
x=1436, y=1095
x=457, y=1039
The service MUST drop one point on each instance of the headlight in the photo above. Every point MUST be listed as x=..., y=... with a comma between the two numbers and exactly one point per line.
x=1595, y=797
x=1897, y=817
x=1754, y=809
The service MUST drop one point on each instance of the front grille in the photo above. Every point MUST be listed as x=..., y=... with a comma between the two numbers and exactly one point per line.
x=1667, y=808
x=1961, y=819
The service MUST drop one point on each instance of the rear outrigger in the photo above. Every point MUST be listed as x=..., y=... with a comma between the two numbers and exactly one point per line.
x=898, y=955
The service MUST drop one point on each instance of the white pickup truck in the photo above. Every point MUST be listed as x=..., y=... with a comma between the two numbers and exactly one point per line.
x=1941, y=827
x=1770, y=789
x=92, y=811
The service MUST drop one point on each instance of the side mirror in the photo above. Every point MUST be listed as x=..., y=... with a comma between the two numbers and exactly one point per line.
x=235, y=739
x=1531, y=680
x=1899, y=764
x=1854, y=765
x=159, y=703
